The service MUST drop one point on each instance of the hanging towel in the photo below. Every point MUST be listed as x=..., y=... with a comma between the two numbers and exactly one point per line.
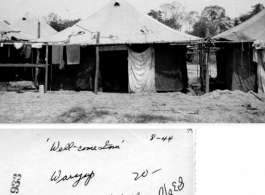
x=26, y=51
x=73, y=54
x=18, y=45
x=57, y=55
x=141, y=71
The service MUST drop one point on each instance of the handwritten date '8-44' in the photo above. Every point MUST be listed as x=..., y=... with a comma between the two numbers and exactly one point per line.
x=164, y=138
x=176, y=188
x=15, y=183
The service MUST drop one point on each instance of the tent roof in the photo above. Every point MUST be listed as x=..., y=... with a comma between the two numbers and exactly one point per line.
x=28, y=24
x=118, y=23
x=10, y=31
x=250, y=30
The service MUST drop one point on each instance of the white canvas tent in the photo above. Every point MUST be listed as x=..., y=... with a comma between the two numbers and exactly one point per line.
x=120, y=31
x=118, y=23
x=7, y=32
x=28, y=25
x=242, y=61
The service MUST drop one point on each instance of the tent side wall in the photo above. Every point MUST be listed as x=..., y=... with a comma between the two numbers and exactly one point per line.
x=170, y=70
x=235, y=67
x=171, y=67
x=79, y=76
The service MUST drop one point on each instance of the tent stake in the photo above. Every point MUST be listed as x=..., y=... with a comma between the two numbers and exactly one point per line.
x=97, y=65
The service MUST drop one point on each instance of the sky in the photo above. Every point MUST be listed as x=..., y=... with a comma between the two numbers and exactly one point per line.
x=11, y=10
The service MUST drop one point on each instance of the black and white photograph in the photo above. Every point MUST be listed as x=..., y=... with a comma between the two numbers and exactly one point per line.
x=130, y=97
x=130, y=61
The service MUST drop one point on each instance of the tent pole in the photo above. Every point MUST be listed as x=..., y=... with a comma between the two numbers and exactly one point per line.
x=207, y=70
x=37, y=61
x=97, y=64
x=38, y=29
x=37, y=69
x=46, y=70
x=201, y=55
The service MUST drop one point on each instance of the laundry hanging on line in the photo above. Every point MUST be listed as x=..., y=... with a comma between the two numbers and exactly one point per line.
x=73, y=54
x=57, y=55
x=26, y=51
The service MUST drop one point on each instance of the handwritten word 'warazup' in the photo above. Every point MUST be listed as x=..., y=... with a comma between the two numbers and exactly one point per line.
x=56, y=177
x=56, y=147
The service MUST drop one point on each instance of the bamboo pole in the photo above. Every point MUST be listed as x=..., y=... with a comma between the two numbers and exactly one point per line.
x=97, y=64
x=46, y=69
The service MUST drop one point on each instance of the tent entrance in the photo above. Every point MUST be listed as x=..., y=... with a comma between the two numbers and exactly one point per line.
x=114, y=71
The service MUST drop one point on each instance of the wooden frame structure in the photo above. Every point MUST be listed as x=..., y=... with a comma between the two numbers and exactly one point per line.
x=46, y=66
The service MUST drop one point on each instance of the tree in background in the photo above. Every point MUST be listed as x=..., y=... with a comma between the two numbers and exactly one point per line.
x=59, y=24
x=255, y=9
x=171, y=14
x=190, y=19
x=214, y=20
x=156, y=15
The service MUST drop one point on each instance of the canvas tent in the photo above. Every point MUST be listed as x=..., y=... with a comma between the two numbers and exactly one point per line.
x=28, y=25
x=7, y=32
x=240, y=63
x=137, y=53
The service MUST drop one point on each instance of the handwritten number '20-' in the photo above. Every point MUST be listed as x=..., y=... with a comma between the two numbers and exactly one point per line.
x=144, y=174
x=15, y=183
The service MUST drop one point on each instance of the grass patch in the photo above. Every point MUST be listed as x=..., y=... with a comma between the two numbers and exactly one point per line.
x=73, y=115
x=80, y=115
x=100, y=113
x=147, y=118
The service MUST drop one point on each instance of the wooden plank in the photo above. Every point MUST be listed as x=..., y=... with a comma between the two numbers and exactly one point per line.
x=97, y=65
x=113, y=48
x=23, y=65
x=46, y=69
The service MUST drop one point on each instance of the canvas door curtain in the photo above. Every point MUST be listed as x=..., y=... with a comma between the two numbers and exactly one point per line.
x=141, y=70
x=259, y=57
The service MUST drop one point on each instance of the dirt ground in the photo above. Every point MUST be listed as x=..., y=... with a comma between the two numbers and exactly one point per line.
x=86, y=107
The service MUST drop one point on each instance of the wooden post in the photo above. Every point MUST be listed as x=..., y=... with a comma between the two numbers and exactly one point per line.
x=201, y=54
x=37, y=69
x=38, y=29
x=46, y=69
x=207, y=71
x=207, y=64
x=38, y=58
x=97, y=64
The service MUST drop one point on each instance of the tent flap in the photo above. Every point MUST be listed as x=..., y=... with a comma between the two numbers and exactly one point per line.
x=259, y=57
x=141, y=69
x=170, y=68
